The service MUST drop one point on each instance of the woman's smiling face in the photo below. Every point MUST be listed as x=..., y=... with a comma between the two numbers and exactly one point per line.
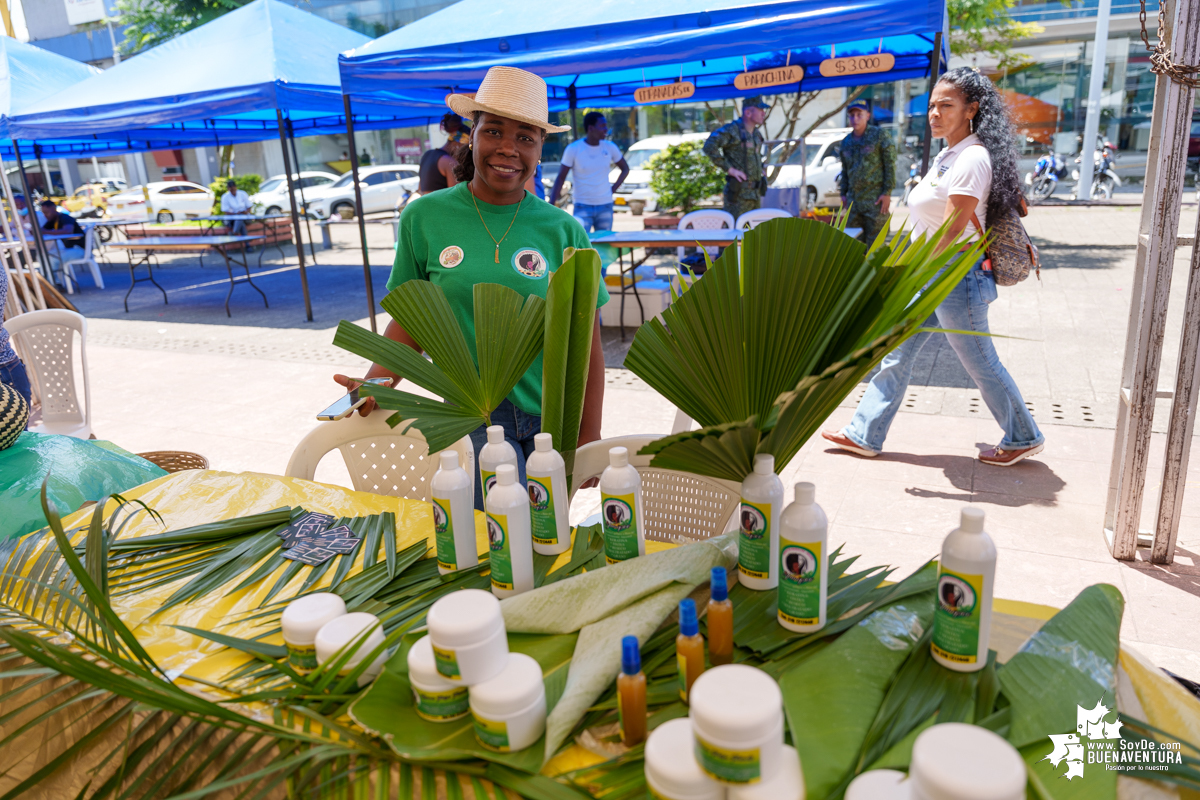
x=505, y=153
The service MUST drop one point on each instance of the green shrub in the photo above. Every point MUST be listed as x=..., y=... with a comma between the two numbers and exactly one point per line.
x=683, y=176
x=247, y=183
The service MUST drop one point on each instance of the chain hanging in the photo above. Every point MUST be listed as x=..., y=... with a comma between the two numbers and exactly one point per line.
x=1162, y=58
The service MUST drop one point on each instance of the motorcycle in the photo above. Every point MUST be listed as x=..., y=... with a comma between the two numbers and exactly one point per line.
x=1042, y=182
x=914, y=177
x=1104, y=177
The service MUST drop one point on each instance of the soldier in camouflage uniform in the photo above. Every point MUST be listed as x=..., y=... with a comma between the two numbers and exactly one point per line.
x=736, y=148
x=868, y=172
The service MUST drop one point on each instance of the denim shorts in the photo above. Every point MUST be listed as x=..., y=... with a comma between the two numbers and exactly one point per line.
x=594, y=218
x=13, y=374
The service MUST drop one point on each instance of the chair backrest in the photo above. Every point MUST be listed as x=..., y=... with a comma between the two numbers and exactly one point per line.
x=47, y=341
x=677, y=506
x=757, y=216
x=708, y=219
x=380, y=459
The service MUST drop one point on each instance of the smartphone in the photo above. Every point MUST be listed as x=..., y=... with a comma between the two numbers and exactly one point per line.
x=345, y=406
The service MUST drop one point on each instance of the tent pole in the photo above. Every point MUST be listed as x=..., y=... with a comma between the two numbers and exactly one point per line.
x=312, y=249
x=573, y=100
x=935, y=63
x=287, y=168
x=358, y=209
x=29, y=204
x=37, y=154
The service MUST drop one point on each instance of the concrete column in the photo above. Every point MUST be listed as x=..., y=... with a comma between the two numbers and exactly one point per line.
x=202, y=166
x=1091, y=126
x=70, y=175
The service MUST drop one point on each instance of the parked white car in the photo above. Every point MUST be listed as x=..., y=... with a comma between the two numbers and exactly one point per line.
x=272, y=195
x=161, y=201
x=822, y=150
x=381, y=186
x=635, y=193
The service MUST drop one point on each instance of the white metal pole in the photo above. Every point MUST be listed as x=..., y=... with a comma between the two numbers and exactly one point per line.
x=1091, y=126
x=112, y=37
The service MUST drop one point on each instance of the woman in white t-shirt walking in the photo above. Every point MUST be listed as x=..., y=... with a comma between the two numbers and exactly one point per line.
x=972, y=180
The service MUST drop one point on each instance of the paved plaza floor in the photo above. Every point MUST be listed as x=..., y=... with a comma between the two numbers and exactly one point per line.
x=242, y=391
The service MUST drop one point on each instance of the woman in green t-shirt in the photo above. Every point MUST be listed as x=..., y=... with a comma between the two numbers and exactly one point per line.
x=488, y=229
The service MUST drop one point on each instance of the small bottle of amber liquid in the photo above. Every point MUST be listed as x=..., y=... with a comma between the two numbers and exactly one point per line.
x=631, y=693
x=689, y=647
x=720, y=620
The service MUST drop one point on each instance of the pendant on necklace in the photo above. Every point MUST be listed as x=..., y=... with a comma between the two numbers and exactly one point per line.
x=497, y=254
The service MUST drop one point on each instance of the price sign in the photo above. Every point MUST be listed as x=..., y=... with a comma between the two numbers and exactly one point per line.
x=857, y=65
x=669, y=91
x=768, y=78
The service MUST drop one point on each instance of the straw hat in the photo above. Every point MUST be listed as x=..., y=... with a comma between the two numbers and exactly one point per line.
x=509, y=92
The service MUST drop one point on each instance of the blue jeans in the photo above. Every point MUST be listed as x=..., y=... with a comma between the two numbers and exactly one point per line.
x=964, y=309
x=519, y=429
x=13, y=374
x=594, y=218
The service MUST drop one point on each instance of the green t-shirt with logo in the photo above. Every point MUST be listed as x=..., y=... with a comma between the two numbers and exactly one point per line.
x=443, y=240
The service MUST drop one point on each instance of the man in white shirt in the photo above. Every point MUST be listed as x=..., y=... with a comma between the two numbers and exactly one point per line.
x=592, y=158
x=235, y=202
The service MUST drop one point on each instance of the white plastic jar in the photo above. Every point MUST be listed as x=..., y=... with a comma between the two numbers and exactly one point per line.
x=957, y=761
x=434, y=698
x=301, y=620
x=671, y=770
x=466, y=630
x=788, y=783
x=880, y=784
x=737, y=719
x=510, y=709
x=349, y=629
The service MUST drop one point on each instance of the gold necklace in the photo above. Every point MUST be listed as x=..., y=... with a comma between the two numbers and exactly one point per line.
x=485, y=225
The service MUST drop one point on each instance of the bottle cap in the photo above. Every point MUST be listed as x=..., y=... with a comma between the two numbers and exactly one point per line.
x=719, y=585
x=980, y=759
x=543, y=442
x=449, y=460
x=764, y=463
x=971, y=520
x=688, y=626
x=806, y=493
x=506, y=475
x=618, y=457
x=495, y=434
x=631, y=656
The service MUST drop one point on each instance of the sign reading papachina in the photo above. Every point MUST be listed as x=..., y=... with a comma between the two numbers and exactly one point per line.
x=767, y=78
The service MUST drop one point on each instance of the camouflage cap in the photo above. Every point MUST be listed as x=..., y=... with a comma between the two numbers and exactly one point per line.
x=755, y=102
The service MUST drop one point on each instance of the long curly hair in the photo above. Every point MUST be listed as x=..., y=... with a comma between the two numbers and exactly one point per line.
x=995, y=130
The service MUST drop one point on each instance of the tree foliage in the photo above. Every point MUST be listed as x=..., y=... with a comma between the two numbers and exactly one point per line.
x=683, y=175
x=986, y=26
x=149, y=23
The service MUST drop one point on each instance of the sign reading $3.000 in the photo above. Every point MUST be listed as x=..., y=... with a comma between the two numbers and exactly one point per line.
x=857, y=65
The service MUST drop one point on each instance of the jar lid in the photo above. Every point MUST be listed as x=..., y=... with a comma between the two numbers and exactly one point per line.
x=423, y=668
x=304, y=616
x=735, y=702
x=954, y=760
x=513, y=690
x=463, y=618
x=337, y=633
x=671, y=762
x=880, y=784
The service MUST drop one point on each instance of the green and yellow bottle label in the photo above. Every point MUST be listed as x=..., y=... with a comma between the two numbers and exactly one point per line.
x=729, y=766
x=303, y=657
x=754, y=540
x=956, y=617
x=800, y=582
x=681, y=665
x=488, y=479
x=500, y=550
x=492, y=734
x=620, y=527
x=541, y=510
x=443, y=534
x=441, y=706
x=446, y=662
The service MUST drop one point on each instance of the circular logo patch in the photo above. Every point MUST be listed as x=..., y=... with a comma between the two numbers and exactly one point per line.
x=451, y=257
x=539, y=496
x=753, y=522
x=495, y=535
x=956, y=596
x=530, y=263
x=441, y=521
x=618, y=515
x=799, y=564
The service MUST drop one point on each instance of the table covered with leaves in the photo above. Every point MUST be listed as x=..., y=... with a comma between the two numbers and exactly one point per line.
x=143, y=658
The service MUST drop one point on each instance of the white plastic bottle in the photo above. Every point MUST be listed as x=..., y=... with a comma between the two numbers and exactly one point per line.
x=621, y=508
x=803, y=557
x=962, y=618
x=546, y=480
x=453, y=514
x=497, y=451
x=758, y=541
x=510, y=539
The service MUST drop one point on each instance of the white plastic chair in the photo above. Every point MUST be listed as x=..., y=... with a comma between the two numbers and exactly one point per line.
x=88, y=260
x=757, y=216
x=678, y=506
x=708, y=219
x=46, y=340
x=380, y=459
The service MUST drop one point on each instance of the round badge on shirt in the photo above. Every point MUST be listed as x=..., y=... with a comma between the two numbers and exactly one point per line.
x=529, y=263
x=451, y=257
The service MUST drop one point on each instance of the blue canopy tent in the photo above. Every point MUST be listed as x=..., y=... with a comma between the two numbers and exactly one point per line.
x=261, y=71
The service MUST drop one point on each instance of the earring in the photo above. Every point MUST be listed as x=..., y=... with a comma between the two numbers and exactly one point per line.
x=972, y=122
